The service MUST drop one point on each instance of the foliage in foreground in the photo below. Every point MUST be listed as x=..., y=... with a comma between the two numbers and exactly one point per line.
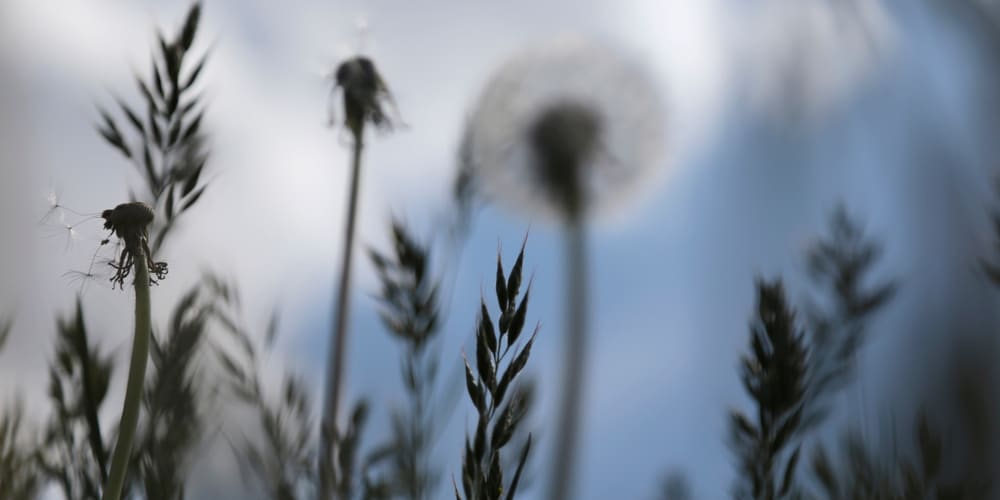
x=500, y=401
x=403, y=466
x=792, y=372
x=799, y=358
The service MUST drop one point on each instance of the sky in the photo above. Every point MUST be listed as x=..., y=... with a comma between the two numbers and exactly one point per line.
x=777, y=111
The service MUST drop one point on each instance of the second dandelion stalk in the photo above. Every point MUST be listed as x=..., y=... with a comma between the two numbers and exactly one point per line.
x=130, y=222
x=338, y=343
x=364, y=92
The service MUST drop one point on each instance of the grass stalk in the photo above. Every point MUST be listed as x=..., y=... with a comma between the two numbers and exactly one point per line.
x=136, y=377
x=338, y=342
x=571, y=403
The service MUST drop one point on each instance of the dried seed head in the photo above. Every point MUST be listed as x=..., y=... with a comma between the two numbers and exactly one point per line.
x=130, y=222
x=365, y=94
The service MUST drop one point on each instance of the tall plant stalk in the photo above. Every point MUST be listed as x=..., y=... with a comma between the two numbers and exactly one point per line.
x=136, y=375
x=338, y=343
x=364, y=95
x=571, y=403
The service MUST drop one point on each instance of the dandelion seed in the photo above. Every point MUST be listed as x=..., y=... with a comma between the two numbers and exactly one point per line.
x=54, y=201
x=64, y=227
x=73, y=235
x=52, y=198
x=98, y=271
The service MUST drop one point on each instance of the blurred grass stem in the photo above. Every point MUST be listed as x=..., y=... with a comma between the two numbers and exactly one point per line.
x=136, y=376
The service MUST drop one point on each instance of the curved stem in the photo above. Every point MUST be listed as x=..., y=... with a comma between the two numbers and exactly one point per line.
x=338, y=342
x=136, y=377
x=571, y=404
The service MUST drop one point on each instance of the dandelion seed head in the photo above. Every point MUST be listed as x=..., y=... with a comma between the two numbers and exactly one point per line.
x=564, y=138
x=130, y=223
x=366, y=98
x=565, y=129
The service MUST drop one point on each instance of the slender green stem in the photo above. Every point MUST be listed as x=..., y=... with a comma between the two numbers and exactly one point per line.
x=338, y=341
x=571, y=404
x=136, y=377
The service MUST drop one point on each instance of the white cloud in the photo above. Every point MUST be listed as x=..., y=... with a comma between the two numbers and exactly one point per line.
x=799, y=58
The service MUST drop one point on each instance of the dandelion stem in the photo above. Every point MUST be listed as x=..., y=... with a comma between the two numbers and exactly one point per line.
x=136, y=376
x=338, y=342
x=571, y=404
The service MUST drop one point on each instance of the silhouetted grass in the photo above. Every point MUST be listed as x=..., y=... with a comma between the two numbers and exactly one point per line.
x=794, y=367
x=73, y=453
x=889, y=474
x=20, y=478
x=280, y=452
x=840, y=265
x=402, y=466
x=500, y=401
x=166, y=143
x=675, y=486
x=774, y=376
x=173, y=415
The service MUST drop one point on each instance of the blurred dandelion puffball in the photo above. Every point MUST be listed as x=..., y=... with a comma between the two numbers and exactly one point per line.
x=567, y=130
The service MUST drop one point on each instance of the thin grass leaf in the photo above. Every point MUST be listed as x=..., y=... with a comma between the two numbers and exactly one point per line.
x=6, y=325
x=115, y=140
x=157, y=79
x=193, y=76
x=486, y=331
x=517, y=321
x=786, y=482
x=520, y=468
x=190, y=28
x=192, y=179
x=501, y=286
x=192, y=129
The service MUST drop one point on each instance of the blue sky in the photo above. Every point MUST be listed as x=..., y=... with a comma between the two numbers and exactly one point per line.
x=779, y=109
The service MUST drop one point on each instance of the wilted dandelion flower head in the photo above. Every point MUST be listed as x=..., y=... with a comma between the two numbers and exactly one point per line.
x=565, y=129
x=130, y=222
x=365, y=95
